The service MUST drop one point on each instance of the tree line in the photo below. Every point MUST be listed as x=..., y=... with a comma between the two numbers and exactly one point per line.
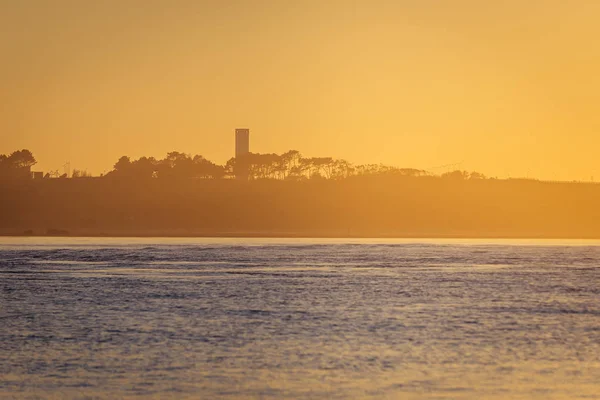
x=17, y=164
x=291, y=165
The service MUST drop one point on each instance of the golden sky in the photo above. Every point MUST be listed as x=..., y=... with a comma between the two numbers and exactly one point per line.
x=510, y=88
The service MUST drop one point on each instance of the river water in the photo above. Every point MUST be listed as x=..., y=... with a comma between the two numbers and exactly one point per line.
x=290, y=318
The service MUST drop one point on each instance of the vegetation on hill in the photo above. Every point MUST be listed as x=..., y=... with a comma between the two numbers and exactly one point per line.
x=289, y=165
x=17, y=164
x=288, y=195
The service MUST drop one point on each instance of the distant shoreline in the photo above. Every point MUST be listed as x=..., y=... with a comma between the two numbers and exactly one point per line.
x=287, y=235
x=377, y=207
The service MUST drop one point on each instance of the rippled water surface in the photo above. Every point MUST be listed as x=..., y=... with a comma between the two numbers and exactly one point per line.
x=236, y=318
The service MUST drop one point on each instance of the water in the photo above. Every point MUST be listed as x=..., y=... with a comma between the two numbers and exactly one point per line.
x=211, y=318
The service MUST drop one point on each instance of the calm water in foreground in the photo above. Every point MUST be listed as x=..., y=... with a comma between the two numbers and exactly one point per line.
x=249, y=318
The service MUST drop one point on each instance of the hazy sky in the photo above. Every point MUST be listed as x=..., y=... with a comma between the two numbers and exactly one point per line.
x=510, y=87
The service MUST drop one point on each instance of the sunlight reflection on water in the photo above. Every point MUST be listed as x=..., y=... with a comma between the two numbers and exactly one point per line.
x=272, y=318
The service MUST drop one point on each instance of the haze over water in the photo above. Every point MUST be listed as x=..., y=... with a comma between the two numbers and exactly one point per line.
x=292, y=318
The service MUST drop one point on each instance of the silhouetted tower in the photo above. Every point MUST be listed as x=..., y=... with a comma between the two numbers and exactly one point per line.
x=242, y=142
x=242, y=147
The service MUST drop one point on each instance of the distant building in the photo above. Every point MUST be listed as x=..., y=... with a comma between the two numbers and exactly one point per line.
x=37, y=175
x=242, y=142
x=242, y=147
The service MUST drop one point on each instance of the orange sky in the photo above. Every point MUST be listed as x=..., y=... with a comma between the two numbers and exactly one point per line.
x=511, y=88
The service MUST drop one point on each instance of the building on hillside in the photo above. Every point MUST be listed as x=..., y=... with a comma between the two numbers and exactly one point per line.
x=242, y=142
x=242, y=147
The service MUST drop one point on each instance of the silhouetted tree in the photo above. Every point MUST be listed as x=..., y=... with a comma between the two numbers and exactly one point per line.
x=145, y=167
x=230, y=167
x=290, y=165
x=289, y=161
x=123, y=165
x=21, y=159
x=78, y=173
x=476, y=175
x=456, y=175
x=412, y=172
x=17, y=165
x=206, y=169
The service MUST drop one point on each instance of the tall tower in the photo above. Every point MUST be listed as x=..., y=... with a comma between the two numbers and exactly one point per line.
x=242, y=147
x=242, y=142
